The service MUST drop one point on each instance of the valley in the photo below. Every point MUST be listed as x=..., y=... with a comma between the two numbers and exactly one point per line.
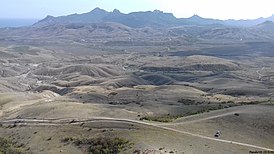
x=158, y=90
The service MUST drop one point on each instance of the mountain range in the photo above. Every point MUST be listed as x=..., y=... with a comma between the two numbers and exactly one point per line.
x=154, y=18
x=140, y=28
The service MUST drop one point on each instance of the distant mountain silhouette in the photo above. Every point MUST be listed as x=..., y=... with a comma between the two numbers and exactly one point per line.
x=248, y=23
x=135, y=19
x=267, y=26
x=143, y=19
x=197, y=20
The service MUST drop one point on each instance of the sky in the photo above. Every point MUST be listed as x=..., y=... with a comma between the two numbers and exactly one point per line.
x=217, y=9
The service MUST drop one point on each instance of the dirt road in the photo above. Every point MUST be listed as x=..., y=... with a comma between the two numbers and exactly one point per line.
x=45, y=122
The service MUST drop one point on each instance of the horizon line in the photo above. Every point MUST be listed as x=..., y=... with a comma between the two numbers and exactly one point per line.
x=110, y=11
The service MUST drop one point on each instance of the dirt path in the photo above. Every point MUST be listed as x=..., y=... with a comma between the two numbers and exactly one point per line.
x=258, y=72
x=57, y=122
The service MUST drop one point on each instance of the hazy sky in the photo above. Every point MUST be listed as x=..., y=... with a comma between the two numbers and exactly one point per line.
x=218, y=9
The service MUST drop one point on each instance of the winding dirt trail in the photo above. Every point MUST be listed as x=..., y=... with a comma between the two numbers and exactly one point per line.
x=259, y=74
x=58, y=122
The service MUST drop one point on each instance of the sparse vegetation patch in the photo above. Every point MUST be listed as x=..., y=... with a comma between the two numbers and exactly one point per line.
x=186, y=101
x=8, y=147
x=170, y=118
x=163, y=118
x=102, y=145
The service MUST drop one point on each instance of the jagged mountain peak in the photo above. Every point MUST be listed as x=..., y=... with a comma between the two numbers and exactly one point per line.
x=158, y=11
x=97, y=9
x=116, y=11
x=195, y=16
